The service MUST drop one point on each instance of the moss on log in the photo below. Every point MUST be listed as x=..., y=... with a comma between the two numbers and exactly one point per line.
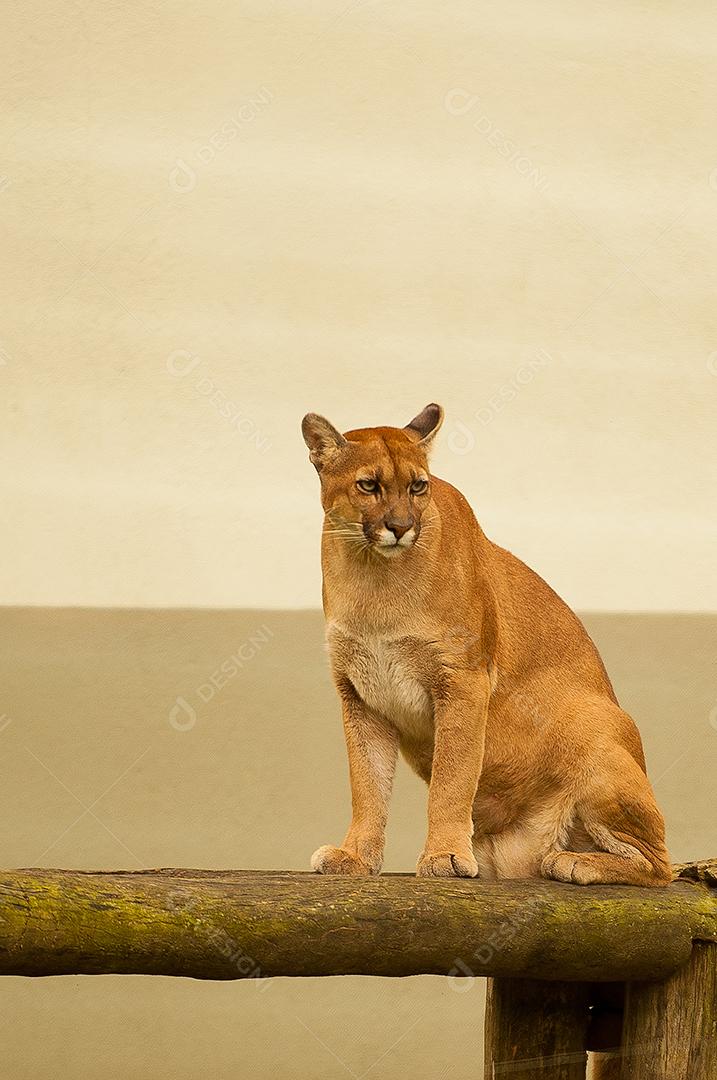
x=256, y=924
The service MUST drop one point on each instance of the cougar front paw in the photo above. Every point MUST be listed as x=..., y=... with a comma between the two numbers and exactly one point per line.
x=336, y=860
x=446, y=864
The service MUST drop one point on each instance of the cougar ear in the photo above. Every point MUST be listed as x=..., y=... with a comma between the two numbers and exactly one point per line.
x=426, y=425
x=322, y=439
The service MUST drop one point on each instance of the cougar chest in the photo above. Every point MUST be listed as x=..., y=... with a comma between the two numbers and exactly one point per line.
x=383, y=671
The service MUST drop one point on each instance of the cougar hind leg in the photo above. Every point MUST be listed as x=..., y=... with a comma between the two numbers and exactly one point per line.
x=616, y=808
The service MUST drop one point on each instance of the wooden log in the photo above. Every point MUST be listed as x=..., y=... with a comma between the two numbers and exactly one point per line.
x=670, y=1027
x=536, y=1030
x=705, y=871
x=253, y=924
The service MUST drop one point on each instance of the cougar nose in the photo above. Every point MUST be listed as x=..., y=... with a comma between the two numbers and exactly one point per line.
x=399, y=528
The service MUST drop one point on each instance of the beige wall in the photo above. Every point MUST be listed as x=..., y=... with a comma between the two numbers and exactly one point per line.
x=218, y=216
x=354, y=209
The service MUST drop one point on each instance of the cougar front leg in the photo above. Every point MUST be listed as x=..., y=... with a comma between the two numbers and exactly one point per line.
x=460, y=714
x=372, y=746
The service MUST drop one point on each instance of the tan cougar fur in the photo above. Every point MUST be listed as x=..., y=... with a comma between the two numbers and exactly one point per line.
x=450, y=649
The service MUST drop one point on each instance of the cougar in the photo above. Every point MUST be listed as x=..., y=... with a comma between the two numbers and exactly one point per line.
x=447, y=647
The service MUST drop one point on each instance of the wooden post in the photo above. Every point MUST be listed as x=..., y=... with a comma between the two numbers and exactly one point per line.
x=536, y=1030
x=670, y=1027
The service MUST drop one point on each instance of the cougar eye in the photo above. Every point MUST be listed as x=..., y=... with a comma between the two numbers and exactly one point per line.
x=368, y=486
x=419, y=487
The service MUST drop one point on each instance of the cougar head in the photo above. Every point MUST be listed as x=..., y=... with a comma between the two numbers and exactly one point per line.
x=375, y=482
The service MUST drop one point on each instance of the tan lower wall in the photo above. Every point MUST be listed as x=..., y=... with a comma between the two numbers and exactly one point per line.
x=248, y=769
